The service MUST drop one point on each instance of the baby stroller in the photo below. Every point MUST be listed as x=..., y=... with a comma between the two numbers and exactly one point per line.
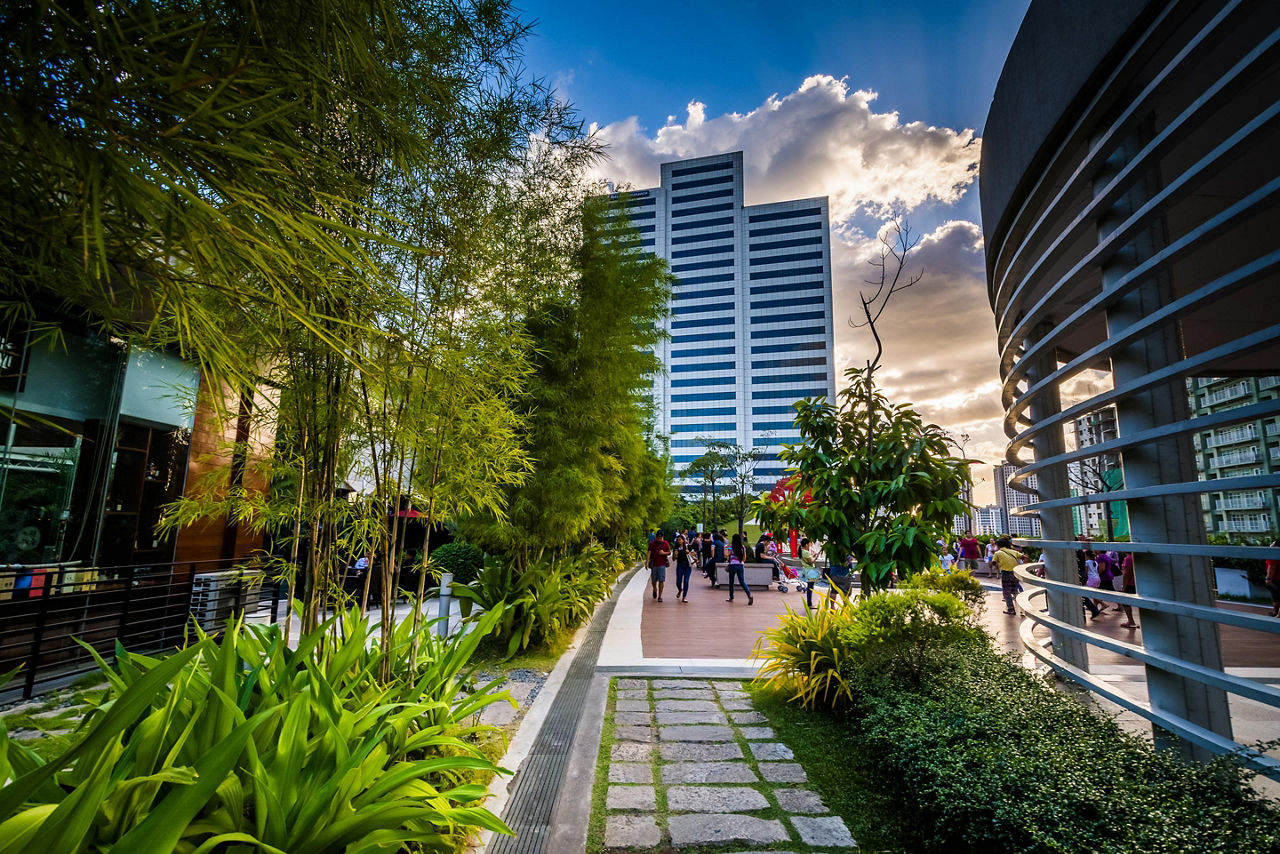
x=789, y=575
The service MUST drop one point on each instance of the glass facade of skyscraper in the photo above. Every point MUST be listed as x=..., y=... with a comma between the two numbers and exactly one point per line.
x=751, y=321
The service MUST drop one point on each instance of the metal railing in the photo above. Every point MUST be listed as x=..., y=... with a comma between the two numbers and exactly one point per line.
x=51, y=615
x=1042, y=650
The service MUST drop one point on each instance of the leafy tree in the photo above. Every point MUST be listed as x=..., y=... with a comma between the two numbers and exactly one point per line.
x=711, y=467
x=742, y=480
x=873, y=479
x=596, y=473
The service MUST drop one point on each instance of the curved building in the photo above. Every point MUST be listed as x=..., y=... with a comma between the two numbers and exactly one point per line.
x=1130, y=174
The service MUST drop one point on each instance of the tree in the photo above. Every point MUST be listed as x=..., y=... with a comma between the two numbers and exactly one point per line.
x=710, y=467
x=742, y=479
x=872, y=479
x=588, y=401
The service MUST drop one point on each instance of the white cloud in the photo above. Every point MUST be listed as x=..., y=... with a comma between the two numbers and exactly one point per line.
x=821, y=140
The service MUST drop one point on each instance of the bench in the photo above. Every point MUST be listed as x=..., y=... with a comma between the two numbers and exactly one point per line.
x=758, y=575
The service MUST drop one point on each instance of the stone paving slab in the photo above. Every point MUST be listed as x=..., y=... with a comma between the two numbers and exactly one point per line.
x=736, y=705
x=680, y=684
x=631, y=831
x=697, y=829
x=825, y=832
x=630, y=751
x=631, y=798
x=707, y=706
x=770, y=751
x=630, y=772
x=692, y=718
x=633, y=684
x=714, y=799
x=633, y=719
x=692, y=751
x=748, y=718
x=633, y=695
x=708, y=772
x=799, y=800
x=671, y=694
x=782, y=772
x=757, y=733
x=695, y=733
x=633, y=733
x=632, y=706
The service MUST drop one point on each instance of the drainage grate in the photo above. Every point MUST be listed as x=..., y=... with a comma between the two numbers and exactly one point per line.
x=536, y=788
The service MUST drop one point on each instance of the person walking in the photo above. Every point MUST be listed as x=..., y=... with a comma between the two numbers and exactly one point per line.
x=1273, y=581
x=809, y=571
x=1129, y=583
x=717, y=558
x=684, y=568
x=659, y=553
x=1006, y=559
x=737, y=569
x=970, y=552
x=991, y=557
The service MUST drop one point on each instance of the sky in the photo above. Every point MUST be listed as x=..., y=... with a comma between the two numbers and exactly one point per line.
x=878, y=106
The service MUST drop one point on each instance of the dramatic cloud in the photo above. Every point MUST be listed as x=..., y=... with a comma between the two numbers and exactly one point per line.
x=939, y=341
x=821, y=140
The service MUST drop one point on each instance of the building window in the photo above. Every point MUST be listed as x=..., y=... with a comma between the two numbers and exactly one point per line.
x=787, y=394
x=702, y=336
x=702, y=366
x=704, y=209
x=789, y=288
x=706, y=280
x=702, y=250
x=702, y=197
x=700, y=396
x=778, y=274
x=787, y=333
x=789, y=378
x=714, y=292
x=703, y=351
x=702, y=238
x=703, y=265
x=772, y=410
x=797, y=315
x=708, y=412
x=703, y=223
x=790, y=347
x=788, y=303
x=789, y=363
x=704, y=427
x=787, y=259
x=702, y=309
x=784, y=229
x=702, y=321
x=773, y=425
x=703, y=381
x=786, y=244
x=702, y=182
x=698, y=170
x=777, y=215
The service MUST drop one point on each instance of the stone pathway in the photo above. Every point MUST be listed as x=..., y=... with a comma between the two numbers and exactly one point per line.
x=692, y=765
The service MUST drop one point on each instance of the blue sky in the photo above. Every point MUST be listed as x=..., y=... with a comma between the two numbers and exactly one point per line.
x=877, y=106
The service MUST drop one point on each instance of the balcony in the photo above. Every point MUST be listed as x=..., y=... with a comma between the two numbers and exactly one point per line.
x=1238, y=457
x=1242, y=501
x=1234, y=436
x=1268, y=382
x=1246, y=526
x=1222, y=395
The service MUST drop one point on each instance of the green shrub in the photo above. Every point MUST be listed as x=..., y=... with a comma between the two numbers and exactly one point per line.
x=552, y=597
x=958, y=582
x=245, y=744
x=985, y=757
x=462, y=559
x=804, y=654
x=894, y=633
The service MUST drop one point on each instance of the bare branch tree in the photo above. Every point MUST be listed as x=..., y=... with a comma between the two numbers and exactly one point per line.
x=896, y=243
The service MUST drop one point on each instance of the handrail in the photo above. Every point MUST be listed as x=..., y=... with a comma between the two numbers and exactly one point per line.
x=1251, y=689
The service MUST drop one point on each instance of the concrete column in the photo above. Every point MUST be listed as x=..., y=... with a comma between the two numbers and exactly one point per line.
x=1172, y=518
x=1056, y=523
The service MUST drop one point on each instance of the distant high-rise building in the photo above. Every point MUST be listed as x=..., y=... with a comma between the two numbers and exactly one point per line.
x=1095, y=475
x=964, y=521
x=751, y=322
x=1243, y=448
x=1011, y=499
x=989, y=520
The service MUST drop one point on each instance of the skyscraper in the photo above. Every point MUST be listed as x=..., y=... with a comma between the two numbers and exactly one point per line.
x=1011, y=499
x=751, y=322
